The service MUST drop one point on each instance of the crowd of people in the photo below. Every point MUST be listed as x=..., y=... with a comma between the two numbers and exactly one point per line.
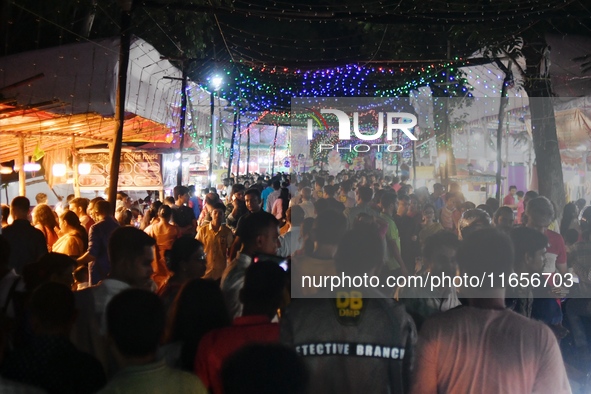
x=200, y=292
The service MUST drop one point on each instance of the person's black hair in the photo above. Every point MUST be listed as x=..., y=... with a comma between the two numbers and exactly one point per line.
x=365, y=193
x=276, y=185
x=493, y=203
x=72, y=220
x=520, y=193
x=284, y=196
x=135, y=322
x=264, y=283
x=20, y=203
x=502, y=211
x=388, y=198
x=179, y=191
x=527, y=241
x=512, y=187
x=256, y=223
x=319, y=181
x=238, y=187
x=102, y=207
x=198, y=308
x=437, y=241
x=487, y=251
x=126, y=243
x=219, y=205
x=265, y=369
x=450, y=195
x=165, y=212
x=5, y=212
x=81, y=202
x=253, y=191
x=487, y=209
x=52, y=305
x=329, y=227
x=468, y=205
x=182, y=249
x=359, y=250
x=569, y=213
x=473, y=219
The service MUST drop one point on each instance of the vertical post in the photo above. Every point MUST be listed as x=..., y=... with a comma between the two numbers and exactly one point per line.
x=124, y=45
x=75, y=168
x=21, y=167
x=503, y=104
x=212, y=148
x=247, y=149
x=239, y=149
x=274, y=149
x=232, y=139
x=414, y=165
x=179, y=173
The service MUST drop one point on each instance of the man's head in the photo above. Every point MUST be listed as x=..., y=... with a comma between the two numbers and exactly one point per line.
x=135, y=322
x=52, y=309
x=5, y=213
x=131, y=252
x=217, y=214
x=90, y=209
x=19, y=207
x=504, y=217
x=472, y=220
x=276, y=185
x=262, y=293
x=319, y=183
x=486, y=251
x=389, y=203
x=451, y=200
x=363, y=195
x=262, y=235
x=329, y=191
x=237, y=192
x=540, y=214
x=252, y=199
x=520, y=195
x=403, y=205
x=581, y=203
x=512, y=190
x=79, y=206
x=439, y=253
x=181, y=193
x=438, y=189
x=530, y=249
x=125, y=200
x=102, y=209
x=306, y=194
x=41, y=198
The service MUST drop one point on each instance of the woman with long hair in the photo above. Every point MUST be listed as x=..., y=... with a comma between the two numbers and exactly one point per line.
x=44, y=220
x=165, y=234
x=73, y=240
x=428, y=226
x=570, y=219
x=198, y=309
x=281, y=204
x=187, y=261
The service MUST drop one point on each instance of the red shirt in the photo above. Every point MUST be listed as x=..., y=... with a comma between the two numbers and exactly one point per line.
x=509, y=200
x=217, y=345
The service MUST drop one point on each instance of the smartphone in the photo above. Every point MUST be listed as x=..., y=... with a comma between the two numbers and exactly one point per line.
x=281, y=261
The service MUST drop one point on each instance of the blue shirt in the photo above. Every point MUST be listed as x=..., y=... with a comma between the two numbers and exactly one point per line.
x=98, y=242
x=264, y=196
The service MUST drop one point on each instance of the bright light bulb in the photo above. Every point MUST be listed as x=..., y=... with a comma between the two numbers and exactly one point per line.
x=59, y=170
x=84, y=168
x=216, y=81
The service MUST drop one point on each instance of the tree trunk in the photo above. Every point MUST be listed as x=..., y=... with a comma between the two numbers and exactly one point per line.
x=545, y=141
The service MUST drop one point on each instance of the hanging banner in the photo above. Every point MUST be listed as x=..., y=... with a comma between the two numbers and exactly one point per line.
x=137, y=171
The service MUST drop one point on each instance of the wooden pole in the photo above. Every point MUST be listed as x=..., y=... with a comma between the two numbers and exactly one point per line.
x=21, y=167
x=504, y=100
x=75, y=165
x=124, y=46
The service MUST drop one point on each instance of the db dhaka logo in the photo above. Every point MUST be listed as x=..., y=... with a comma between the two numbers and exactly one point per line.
x=402, y=121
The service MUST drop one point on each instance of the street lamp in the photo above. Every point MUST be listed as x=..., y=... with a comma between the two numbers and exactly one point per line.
x=215, y=83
